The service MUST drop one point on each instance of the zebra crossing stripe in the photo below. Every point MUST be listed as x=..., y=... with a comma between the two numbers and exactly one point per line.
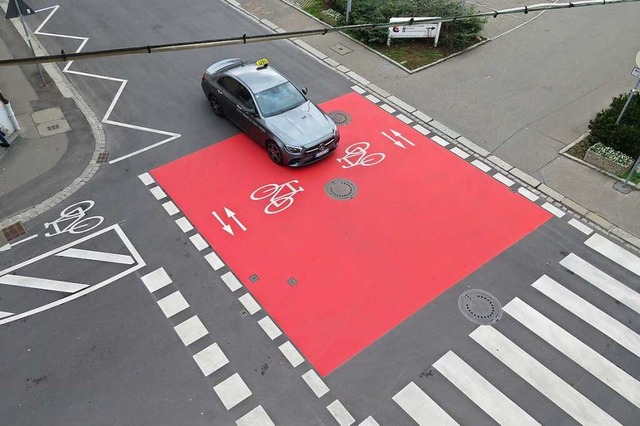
x=589, y=313
x=481, y=392
x=422, y=409
x=614, y=252
x=574, y=349
x=541, y=378
x=41, y=283
x=601, y=280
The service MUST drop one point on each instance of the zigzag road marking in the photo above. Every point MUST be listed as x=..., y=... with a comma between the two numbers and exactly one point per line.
x=170, y=135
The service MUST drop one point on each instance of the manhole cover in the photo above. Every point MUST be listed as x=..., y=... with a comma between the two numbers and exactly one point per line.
x=103, y=157
x=341, y=49
x=339, y=117
x=13, y=231
x=341, y=189
x=480, y=307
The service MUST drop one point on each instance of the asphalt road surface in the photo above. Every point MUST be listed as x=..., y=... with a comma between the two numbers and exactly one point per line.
x=197, y=283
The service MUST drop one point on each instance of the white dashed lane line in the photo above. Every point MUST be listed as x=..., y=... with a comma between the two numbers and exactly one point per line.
x=232, y=391
x=291, y=353
x=211, y=359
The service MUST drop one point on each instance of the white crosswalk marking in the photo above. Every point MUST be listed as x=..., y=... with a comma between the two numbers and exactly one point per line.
x=589, y=313
x=604, y=282
x=614, y=252
x=541, y=378
x=41, y=283
x=422, y=409
x=97, y=255
x=481, y=392
x=342, y=416
x=578, y=352
x=232, y=391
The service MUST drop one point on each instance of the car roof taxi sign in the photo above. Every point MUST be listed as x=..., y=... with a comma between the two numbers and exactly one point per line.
x=262, y=63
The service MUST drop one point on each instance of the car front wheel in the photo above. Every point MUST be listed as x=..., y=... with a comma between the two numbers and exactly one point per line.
x=274, y=152
x=215, y=106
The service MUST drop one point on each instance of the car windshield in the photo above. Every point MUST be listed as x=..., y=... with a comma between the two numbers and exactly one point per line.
x=279, y=99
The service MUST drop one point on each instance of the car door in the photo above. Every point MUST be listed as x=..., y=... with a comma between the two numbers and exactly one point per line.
x=227, y=91
x=249, y=117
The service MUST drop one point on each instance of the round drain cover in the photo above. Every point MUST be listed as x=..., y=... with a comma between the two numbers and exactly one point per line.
x=480, y=307
x=339, y=117
x=341, y=189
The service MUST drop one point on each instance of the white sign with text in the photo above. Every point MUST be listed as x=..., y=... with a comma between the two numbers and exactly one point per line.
x=427, y=30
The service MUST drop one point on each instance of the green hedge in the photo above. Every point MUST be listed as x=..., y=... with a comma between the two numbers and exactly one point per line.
x=453, y=35
x=623, y=137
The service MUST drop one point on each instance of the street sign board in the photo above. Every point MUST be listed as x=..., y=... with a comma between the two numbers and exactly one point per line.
x=635, y=72
x=427, y=30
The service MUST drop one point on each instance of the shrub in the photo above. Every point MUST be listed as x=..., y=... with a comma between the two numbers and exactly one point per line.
x=453, y=35
x=623, y=137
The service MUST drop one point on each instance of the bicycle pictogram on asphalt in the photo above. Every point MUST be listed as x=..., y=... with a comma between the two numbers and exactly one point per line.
x=72, y=220
x=356, y=155
x=280, y=196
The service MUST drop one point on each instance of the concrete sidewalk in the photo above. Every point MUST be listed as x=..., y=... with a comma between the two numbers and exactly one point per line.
x=55, y=150
x=521, y=98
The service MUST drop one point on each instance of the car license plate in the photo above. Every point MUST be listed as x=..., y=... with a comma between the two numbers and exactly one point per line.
x=323, y=152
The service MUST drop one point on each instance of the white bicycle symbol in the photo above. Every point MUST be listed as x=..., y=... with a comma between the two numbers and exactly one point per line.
x=358, y=151
x=280, y=196
x=74, y=219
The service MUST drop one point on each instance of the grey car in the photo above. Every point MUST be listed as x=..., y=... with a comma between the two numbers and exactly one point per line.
x=271, y=110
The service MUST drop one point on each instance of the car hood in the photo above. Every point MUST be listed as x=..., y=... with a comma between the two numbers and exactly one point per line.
x=301, y=126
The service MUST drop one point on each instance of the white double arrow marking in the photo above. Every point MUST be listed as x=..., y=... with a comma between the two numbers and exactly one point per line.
x=396, y=141
x=231, y=215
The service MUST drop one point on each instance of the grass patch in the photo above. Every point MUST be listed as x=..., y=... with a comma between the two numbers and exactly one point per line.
x=315, y=7
x=411, y=54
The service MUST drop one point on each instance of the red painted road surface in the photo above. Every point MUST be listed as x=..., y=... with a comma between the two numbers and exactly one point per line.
x=423, y=219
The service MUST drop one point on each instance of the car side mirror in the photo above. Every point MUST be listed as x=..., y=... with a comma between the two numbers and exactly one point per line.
x=304, y=90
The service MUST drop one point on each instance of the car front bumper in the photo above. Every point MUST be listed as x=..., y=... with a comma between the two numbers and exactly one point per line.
x=304, y=159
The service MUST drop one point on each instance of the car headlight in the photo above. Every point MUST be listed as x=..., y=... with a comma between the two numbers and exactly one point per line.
x=293, y=149
x=336, y=133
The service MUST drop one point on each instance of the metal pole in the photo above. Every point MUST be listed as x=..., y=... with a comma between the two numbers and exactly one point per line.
x=633, y=169
x=24, y=26
x=346, y=18
x=626, y=104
